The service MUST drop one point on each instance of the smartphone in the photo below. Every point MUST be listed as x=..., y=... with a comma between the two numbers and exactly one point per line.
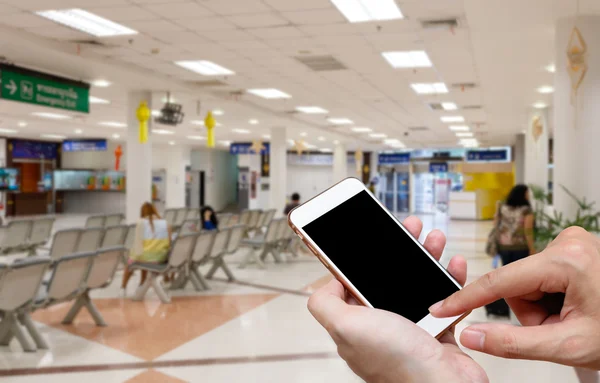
x=377, y=260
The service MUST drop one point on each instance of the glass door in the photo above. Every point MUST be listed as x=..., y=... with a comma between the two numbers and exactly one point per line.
x=402, y=192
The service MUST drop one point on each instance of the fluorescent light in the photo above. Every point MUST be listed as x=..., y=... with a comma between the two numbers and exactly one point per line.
x=340, y=121
x=171, y=142
x=196, y=138
x=162, y=131
x=449, y=106
x=377, y=135
x=430, y=88
x=269, y=93
x=452, y=119
x=101, y=83
x=225, y=143
x=22, y=124
x=97, y=100
x=116, y=136
x=205, y=68
x=253, y=121
x=267, y=136
x=540, y=105
x=240, y=131
x=464, y=134
x=113, y=124
x=551, y=68
x=218, y=112
x=54, y=136
x=197, y=122
x=321, y=138
x=156, y=113
x=391, y=141
x=87, y=22
x=311, y=109
x=357, y=11
x=8, y=131
x=358, y=129
x=545, y=89
x=469, y=141
x=53, y=116
x=78, y=131
x=326, y=150
x=303, y=134
x=408, y=59
x=459, y=128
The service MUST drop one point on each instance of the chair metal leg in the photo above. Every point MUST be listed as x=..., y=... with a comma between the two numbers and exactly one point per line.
x=141, y=291
x=158, y=288
x=93, y=310
x=195, y=282
x=180, y=282
x=5, y=326
x=14, y=329
x=73, y=311
x=200, y=279
x=227, y=271
x=251, y=257
x=35, y=334
x=215, y=266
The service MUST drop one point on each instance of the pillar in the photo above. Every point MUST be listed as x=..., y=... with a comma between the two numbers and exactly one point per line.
x=340, y=162
x=576, y=118
x=139, y=158
x=536, y=150
x=177, y=158
x=519, y=158
x=278, y=170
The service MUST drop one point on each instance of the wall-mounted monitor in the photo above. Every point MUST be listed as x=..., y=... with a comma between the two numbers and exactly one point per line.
x=10, y=179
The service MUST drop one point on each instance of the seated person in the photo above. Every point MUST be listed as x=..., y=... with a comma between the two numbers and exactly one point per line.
x=209, y=219
x=292, y=205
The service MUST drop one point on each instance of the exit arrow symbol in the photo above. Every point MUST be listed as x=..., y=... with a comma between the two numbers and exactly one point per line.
x=12, y=87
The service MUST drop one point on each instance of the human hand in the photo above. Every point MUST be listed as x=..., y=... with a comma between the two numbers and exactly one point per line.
x=380, y=346
x=554, y=294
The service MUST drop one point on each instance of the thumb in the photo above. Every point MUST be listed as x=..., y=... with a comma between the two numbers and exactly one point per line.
x=513, y=342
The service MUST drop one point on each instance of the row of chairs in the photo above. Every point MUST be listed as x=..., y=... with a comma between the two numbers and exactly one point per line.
x=188, y=252
x=105, y=220
x=72, y=277
x=254, y=220
x=277, y=239
x=175, y=217
x=71, y=241
x=26, y=234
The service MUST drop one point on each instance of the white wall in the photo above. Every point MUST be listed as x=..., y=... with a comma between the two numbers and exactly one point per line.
x=220, y=176
x=310, y=180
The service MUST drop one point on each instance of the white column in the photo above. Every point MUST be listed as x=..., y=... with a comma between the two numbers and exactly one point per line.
x=576, y=118
x=536, y=151
x=139, y=158
x=278, y=170
x=340, y=162
x=519, y=158
x=177, y=158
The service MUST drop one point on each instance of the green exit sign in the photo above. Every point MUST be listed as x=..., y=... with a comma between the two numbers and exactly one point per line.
x=32, y=87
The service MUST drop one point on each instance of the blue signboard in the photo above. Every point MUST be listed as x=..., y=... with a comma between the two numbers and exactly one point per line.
x=34, y=149
x=246, y=148
x=394, y=158
x=85, y=145
x=496, y=155
x=438, y=167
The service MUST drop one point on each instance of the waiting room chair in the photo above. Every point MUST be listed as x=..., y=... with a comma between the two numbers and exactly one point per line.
x=225, y=220
x=189, y=226
x=234, y=241
x=253, y=219
x=179, y=257
x=244, y=217
x=95, y=221
x=267, y=243
x=275, y=247
x=16, y=236
x=89, y=240
x=113, y=220
x=100, y=276
x=180, y=217
x=130, y=237
x=267, y=218
x=192, y=214
x=41, y=231
x=114, y=236
x=19, y=285
x=170, y=215
x=200, y=256
x=65, y=242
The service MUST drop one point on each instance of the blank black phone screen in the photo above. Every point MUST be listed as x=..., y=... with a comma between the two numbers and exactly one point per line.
x=379, y=258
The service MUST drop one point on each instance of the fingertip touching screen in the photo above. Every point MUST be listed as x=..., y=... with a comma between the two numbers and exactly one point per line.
x=379, y=258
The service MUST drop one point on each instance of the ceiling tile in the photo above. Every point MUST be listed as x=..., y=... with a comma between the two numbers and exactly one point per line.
x=59, y=33
x=232, y=7
x=311, y=17
x=294, y=5
x=228, y=35
x=6, y=9
x=120, y=14
x=276, y=33
x=258, y=20
x=330, y=30
x=187, y=10
x=27, y=20
x=178, y=38
x=214, y=23
x=155, y=26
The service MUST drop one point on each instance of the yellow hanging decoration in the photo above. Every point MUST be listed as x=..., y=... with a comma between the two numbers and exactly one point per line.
x=577, y=64
x=257, y=147
x=210, y=123
x=358, y=158
x=143, y=116
x=299, y=147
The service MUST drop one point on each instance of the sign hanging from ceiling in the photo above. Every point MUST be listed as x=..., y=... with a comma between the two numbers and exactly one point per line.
x=438, y=167
x=246, y=148
x=88, y=145
x=394, y=158
x=38, y=88
x=490, y=155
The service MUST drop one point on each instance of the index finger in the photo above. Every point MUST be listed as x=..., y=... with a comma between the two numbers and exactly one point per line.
x=328, y=304
x=519, y=278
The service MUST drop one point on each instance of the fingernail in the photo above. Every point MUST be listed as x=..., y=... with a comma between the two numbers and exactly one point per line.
x=473, y=339
x=436, y=307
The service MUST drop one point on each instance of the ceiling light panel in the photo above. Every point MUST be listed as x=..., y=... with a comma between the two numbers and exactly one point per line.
x=340, y=121
x=545, y=89
x=53, y=116
x=408, y=59
x=540, y=105
x=113, y=124
x=98, y=100
x=240, y=131
x=377, y=135
x=361, y=129
x=197, y=138
x=449, y=106
x=430, y=88
x=205, y=68
x=452, y=119
x=358, y=11
x=87, y=22
x=162, y=131
x=269, y=93
x=311, y=110
x=101, y=83
x=8, y=131
x=459, y=128
x=53, y=136
x=464, y=134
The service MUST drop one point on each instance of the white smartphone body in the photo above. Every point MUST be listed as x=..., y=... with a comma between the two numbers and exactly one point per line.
x=378, y=261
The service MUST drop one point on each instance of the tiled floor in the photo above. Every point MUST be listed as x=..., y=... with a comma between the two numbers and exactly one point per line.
x=255, y=330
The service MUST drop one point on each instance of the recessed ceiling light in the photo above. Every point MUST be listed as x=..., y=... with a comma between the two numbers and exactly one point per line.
x=340, y=121
x=311, y=109
x=87, y=22
x=53, y=136
x=267, y=136
x=78, y=131
x=171, y=142
x=116, y=136
x=253, y=121
x=430, y=88
x=452, y=119
x=240, y=131
x=464, y=134
x=359, y=129
x=156, y=113
x=459, y=128
x=391, y=141
x=218, y=112
x=98, y=100
x=378, y=135
x=197, y=122
x=545, y=89
x=357, y=11
x=269, y=93
x=199, y=138
x=53, y=116
x=449, y=106
x=321, y=138
x=162, y=131
x=113, y=124
x=22, y=124
x=303, y=134
x=408, y=59
x=8, y=131
x=551, y=68
x=205, y=68
x=225, y=143
x=101, y=83
x=540, y=105
x=469, y=142
x=326, y=150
